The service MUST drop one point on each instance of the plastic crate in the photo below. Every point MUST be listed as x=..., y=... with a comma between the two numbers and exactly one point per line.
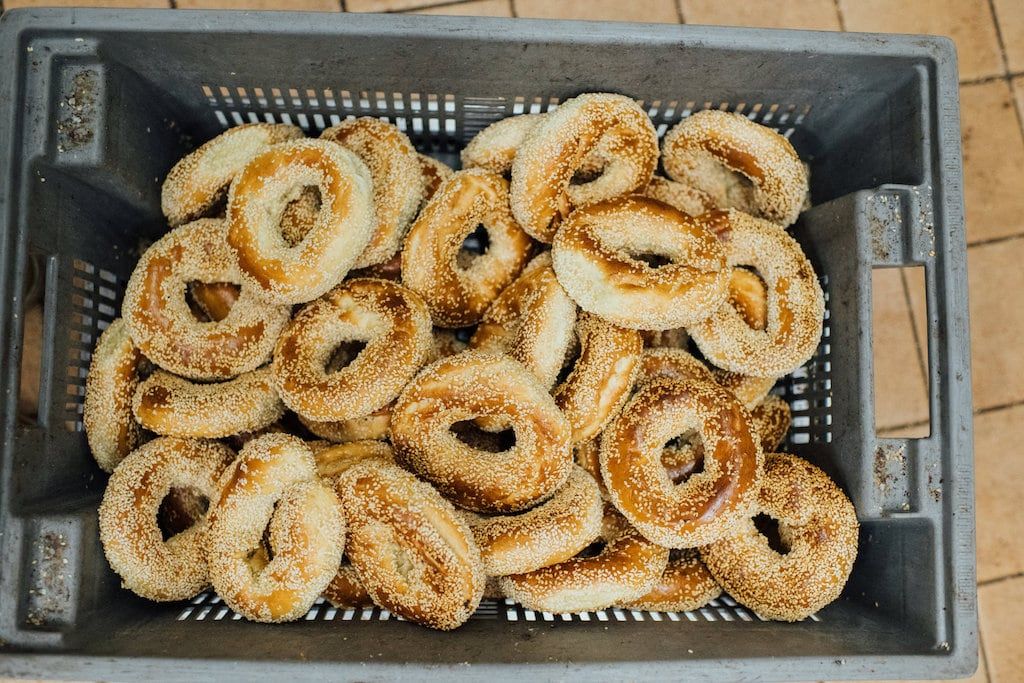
x=95, y=107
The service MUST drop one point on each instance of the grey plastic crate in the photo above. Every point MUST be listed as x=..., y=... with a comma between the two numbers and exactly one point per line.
x=95, y=107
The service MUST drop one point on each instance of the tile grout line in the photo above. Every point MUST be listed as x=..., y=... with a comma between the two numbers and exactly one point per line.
x=918, y=346
x=341, y=3
x=1001, y=579
x=982, y=654
x=1016, y=102
x=428, y=5
x=512, y=8
x=995, y=240
x=984, y=80
x=999, y=36
x=679, y=12
x=839, y=14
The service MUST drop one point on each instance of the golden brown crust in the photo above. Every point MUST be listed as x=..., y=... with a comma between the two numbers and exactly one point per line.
x=434, y=173
x=343, y=227
x=771, y=420
x=200, y=180
x=160, y=320
x=392, y=320
x=274, y=482
x=214, y=299
x=494, y=148
x=335, y=459
x=686, y=584
x=475, y=384
x=796, y=305
x=709, y=504
x=346, y=590
x=595, y=256
x=173, y=406
x=601, y=378
x=818, y=525
x=710, y=149
x=626, y=568
x=457, y=295
x=410, y=548
x=550, y=533
x=689, y=200
x=374, y=426
x=397, y=181
x=175, y=569
x=532, y=320
x=542, y=193
x=110, y=385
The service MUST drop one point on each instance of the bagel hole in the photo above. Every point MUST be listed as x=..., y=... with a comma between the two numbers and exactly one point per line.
x=768, y=527
x=592, y=550
x=470, y=433
x=678, y=468
x=475, y=245
x=650, y=258
x=344, y=354
x=211, y=301
x=180, y=509
x=295, y=219
x=582, y=176
x=572, y=355
x=746, y=289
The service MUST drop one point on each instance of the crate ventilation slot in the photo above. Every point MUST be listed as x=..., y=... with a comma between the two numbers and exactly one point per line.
x=443, y=121
x=95, y=301
x=209, y=607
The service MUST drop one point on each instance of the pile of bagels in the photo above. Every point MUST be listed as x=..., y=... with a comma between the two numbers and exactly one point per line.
x=349, y=371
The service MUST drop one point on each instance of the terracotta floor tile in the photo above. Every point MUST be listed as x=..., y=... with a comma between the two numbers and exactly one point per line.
x=1010, y=17
x=388, y=5
x=997, y=322
x=999, y=478
x=968, y=22
x=118, y=4
x=1002, y=623
x=478, y=8
x=993, y=173
x=290, y=5
x=901, y=396
x=1018, y=91
x=663, y=11
x=807, y=14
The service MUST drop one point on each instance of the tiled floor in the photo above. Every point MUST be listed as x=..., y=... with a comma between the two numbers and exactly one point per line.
x=990, y=38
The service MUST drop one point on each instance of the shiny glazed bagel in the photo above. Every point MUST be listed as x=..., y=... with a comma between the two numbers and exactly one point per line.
x=475, y=384
x=818, y=528
x=542, y=193
x=738, y=163
x=344, y=224
x=110, y=385
x=199, y=181
x=458, y=292
x=685, y=585
x=162, y=325
x=708, y=505
x=597, y=256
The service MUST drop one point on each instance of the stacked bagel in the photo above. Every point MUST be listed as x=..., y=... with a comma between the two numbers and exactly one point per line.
x=348, y=370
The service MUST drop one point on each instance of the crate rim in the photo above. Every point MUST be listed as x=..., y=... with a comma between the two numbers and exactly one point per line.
x=939, y=51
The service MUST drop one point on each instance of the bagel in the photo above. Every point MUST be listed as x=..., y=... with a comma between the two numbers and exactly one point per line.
x=110, y=426
x=200, y=180
x=542, y=193
x=149, y=566
x=457, y=294
x=344, y=225
x=469, y=385
x=817, y=529
x=411, y=550
x=596, y=258
x=161, y=323
x=709, y=504
x=738, y=163
x=685, y=585
x=395, y=324
x=397, y=175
